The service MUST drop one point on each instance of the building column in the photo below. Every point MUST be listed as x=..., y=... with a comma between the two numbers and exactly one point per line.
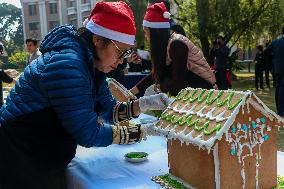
x=43, y=20
x=24, y=23
x=60, y=12
x=79, y=14
x=93, y=3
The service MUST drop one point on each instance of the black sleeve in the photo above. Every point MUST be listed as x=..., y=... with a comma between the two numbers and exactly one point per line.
x=5, y=77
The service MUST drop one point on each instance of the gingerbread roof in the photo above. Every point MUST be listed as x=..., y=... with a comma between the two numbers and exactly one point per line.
x=201, y=116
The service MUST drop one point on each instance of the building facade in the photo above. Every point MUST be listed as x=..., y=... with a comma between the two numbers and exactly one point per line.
x=41, y=16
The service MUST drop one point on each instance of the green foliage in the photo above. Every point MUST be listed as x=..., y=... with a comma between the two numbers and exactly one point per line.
x=242, y=21
x=11, y=27
x=280, y=182
x=171, y=182
x=236, y=65
x=18, y=60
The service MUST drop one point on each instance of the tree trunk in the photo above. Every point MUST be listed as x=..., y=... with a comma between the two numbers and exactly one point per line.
x=202, y=9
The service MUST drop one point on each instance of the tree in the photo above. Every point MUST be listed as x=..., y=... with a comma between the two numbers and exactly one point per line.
x=11, y=27
x=234, y=19
x=139, y=9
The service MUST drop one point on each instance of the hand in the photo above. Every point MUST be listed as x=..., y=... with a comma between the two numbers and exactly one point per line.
x=127, y=134
x=154, y=102
x=150, y=91
x=135, y=58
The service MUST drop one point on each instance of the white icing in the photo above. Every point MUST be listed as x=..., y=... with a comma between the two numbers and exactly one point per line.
x=246, y=99
x=217, y=166
x=252, y=137
x=199, y=113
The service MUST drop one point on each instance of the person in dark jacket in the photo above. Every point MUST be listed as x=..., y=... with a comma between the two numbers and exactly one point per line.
x=221, y=61
x=4, y=78
x=259, y=67
x=58, y=100
x=276, y=49
x=169, y=57
x=268, y=68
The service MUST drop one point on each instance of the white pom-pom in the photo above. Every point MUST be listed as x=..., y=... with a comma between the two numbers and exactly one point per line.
x=85, y=22
x=166, y=14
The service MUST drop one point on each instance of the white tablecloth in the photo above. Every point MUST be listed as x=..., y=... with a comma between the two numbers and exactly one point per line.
x=105, y=168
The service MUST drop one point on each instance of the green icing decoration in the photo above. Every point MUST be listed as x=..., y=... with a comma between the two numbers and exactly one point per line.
x=181, y=120
x=171, y=182
x=227, y=100
x=191, y=99
x=186, y=96
x=179, y=96
x=215, y=129
x=200, y=98
x=173, y=120
x=208, y=101
x=204, y=126
x=190, y=123
x=232, y=106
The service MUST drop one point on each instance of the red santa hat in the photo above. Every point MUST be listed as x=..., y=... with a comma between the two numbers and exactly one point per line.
x=157, y=16
x=112, y=20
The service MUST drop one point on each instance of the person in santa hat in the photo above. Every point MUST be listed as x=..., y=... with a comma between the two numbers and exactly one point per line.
x=177, y=62
x=56, y=103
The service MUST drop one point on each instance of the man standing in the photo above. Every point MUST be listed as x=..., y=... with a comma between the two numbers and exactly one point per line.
x=3, y=76
x=32, y=49
x=221, y=61
x=276, y=49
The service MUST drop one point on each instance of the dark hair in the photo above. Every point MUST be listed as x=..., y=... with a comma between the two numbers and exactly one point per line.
x=87, y=37
x=221, y=37
x=158, y=49
x=33, y=40
x=1, y=47
x=166, y=2
x=178, y=29
x=259, y=47
x=142, y=47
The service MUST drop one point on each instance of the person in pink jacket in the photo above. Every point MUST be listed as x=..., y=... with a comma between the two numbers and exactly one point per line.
x=176, y=62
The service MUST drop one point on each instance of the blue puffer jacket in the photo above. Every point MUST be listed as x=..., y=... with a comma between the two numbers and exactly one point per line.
x=63, y=79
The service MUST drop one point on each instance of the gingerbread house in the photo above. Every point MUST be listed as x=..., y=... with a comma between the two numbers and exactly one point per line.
x=119, y=92
x=221, y=139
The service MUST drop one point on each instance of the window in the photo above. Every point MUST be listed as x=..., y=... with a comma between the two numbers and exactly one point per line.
x=71, y=3
x=34, y=26
x=32, y=10
x=53, y=24
x=84, y=1
x=53, y=8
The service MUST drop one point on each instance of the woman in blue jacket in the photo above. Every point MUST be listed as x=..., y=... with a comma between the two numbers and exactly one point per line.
x=58, y=99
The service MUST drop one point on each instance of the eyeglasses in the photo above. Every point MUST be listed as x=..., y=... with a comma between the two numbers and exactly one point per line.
x=123, y=54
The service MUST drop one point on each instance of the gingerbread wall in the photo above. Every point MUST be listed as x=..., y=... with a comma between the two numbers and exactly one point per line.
x=191, y=164
x=230, y=168
x=196, y=167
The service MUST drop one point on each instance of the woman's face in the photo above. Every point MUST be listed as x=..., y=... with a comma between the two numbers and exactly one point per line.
x=109, y=55
x=147, y=33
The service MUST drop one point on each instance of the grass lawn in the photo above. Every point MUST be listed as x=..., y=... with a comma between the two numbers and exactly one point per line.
x=246, y=82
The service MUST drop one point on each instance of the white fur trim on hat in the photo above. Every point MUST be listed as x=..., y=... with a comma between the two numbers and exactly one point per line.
x=166, y=14
x=110, y=34
x=85, y=22
x=156, y=24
